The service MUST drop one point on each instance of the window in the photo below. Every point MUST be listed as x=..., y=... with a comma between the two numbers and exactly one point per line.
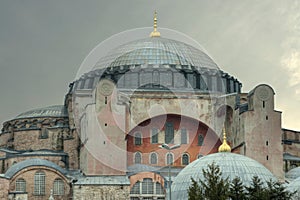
x=21, y=185
x=138, y=158
x=39, y=183
x=147, y=189
x=138, y=138
x=153, y=158
x=147, y=186
x=154, y=136
x=169, y=159
x=169, y=133
x=200, y=140
x=58, y=187
x=135, y=188
x=184, y=136
x=185, y=159
x=159, y=189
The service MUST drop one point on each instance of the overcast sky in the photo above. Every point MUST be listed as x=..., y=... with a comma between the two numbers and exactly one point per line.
x=43, y=43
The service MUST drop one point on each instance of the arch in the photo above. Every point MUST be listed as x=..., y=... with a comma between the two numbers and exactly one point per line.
x=39, y=183
x=185, y=159
x=137, y=158
x=20, y=185
x=136, y=188
x=153, y=158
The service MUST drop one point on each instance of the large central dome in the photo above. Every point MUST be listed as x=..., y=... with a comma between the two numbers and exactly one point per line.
x=158, y=63
x=156, y=51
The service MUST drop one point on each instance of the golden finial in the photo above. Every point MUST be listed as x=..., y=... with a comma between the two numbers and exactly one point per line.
x=224, y=147
x=155, y=33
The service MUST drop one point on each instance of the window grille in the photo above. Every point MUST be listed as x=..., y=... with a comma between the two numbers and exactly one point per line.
x=147, y=186
x=58, y=187
x=135, y=188
x=169, y=133
x=159, y=189
x=21, y=185
x=39, y=183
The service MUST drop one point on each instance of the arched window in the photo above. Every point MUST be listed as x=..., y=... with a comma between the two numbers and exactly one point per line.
x=169, y=159
x=200, y=140
x=153, y=158
x=185, y=159
x=135, y=188
x=158, y=188
x=154, y=136
x=138, y=138
x=169, y=133
x=21, y=185
x=147, y=186
x=39, y=183
x=58, y=187
x=184, y=139
x=200, y=156
x=138, y=158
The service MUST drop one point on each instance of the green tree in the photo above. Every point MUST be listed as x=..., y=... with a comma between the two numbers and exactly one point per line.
x=212, y=187
x=256, y=191
x=237, y=189
x=276, y=191
x=195, y=192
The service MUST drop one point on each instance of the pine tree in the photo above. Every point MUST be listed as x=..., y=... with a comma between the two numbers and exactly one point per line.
x=214, y=186
x=195, y=192
x=237, y=189
x=276, y=191
x=256, y=191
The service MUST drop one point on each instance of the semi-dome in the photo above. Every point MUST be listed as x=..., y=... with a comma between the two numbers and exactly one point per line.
x=293, y=173
x=159, y=63
x=50, y=111
x=232, y=165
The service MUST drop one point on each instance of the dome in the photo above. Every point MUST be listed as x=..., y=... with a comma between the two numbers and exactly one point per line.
x=50, y=111
x=293, y=173
x=294, y=186
x=231, y=165
x=159, y=63
x=156, y=51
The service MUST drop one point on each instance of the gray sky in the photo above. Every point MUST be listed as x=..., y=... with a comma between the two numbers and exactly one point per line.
x=43, y=43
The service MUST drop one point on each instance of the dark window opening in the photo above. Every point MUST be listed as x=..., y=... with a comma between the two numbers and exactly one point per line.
x=184, y=136
x=138, y=139
x=169, y=133
x=154, y=136
x=200, y=140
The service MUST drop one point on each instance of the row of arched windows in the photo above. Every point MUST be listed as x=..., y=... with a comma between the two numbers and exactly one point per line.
x=169, y=136
x=153, y=158
x=147, y=188
x=40, y=184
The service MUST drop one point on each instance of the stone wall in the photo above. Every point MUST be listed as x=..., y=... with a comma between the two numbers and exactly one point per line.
x=4, y=186
x=99, y=192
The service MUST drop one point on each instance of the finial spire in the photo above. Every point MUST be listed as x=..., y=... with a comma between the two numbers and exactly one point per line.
x=224, y=146
x=155, y=33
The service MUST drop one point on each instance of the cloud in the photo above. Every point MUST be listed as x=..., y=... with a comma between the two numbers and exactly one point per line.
x=291, y=62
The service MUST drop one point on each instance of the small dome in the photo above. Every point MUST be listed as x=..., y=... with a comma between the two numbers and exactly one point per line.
x=232, y=165
x=294, y=186
x=50, y=111
x=293, y=173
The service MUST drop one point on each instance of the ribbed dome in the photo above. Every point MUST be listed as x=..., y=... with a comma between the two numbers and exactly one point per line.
x=159, y=63
x=294, y=186
x=231, y=165
x=293, y=173
x=156, y=51
x=50, y=111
